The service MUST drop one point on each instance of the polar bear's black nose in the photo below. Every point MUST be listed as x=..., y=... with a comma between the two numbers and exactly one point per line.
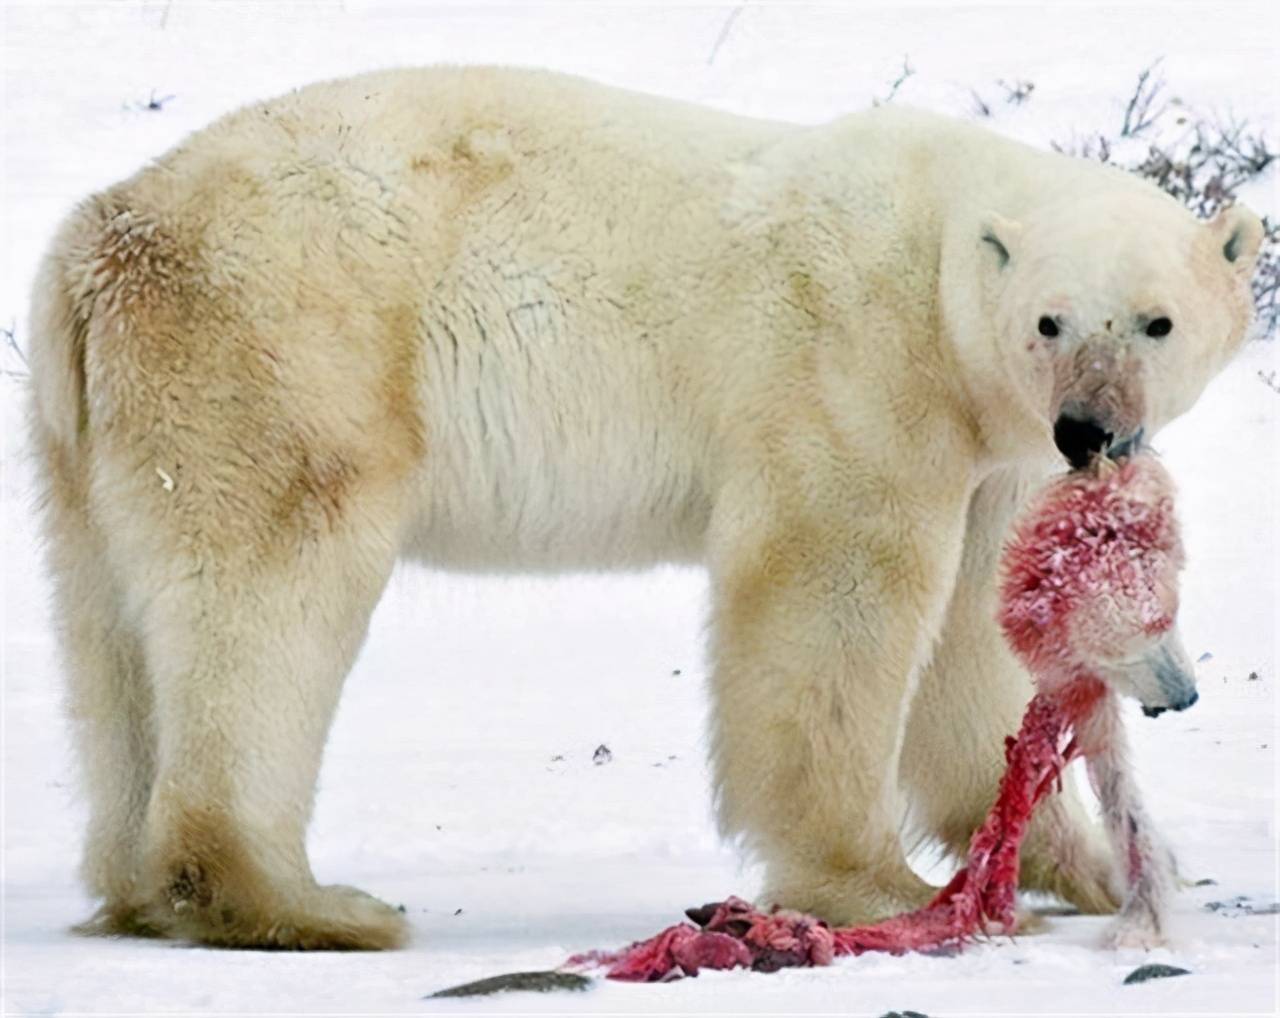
x=1187, y=701
x=1078, y=440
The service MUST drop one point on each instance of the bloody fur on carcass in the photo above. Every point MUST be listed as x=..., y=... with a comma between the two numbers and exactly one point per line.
x=1106, y=532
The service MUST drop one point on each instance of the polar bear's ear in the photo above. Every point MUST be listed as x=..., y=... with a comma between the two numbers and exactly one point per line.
x=1001, y=235
x=1239, y=233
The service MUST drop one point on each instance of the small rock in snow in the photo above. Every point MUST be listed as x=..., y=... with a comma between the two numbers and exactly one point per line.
x=1239, y=906
x=602, y=755
x=1156, y=971
x=527, y=982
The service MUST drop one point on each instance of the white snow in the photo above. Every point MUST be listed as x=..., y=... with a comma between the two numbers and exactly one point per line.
x=441, y=789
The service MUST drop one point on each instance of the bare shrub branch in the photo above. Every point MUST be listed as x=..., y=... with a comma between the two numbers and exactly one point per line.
x=1145, y=106
x=725, y=29
x=1266, y=279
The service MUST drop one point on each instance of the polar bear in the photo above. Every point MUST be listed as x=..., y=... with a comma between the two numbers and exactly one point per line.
x=497, y=319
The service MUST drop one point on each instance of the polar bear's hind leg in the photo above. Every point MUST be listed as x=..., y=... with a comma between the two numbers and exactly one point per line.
x=109, y=697
x=247, y=674
x=245, y=477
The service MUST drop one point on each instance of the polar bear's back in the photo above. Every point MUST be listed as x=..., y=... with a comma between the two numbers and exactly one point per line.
x=417, y=122
x=514, y=260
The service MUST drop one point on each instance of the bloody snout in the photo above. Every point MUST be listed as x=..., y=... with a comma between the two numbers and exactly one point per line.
x=1079, y=439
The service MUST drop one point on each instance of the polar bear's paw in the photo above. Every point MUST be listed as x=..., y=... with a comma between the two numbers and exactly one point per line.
x=340, y=918
x=334, y=918
x=1026, y=923
x=850, y=897
x=116, y=919
x=1089, y=884
x=210, y=884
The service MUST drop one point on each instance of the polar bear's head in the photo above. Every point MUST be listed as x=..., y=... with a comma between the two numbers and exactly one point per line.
x=1112, y=310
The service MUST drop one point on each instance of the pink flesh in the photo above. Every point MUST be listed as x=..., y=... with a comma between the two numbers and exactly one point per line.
x=738, y=936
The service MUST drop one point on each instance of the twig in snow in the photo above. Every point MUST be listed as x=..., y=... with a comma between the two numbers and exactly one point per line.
x=1094, y=147
x=152, y=105
x=1017, y=93
x=907, y=71
x=980, y=106
x=157, y=104
x=725, y=29
x=11, y=343
x=1270, y=380
x=10, y=340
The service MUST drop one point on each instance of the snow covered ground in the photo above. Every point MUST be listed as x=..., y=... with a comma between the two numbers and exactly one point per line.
x=459, y=778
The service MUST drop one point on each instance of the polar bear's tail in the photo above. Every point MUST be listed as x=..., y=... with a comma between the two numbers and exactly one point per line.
x=61, y=305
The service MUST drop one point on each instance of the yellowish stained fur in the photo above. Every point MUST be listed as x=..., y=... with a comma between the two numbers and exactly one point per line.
x=493, y=319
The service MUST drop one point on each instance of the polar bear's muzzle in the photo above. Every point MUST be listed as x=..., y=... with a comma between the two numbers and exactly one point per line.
x=1079, y=439
x=1099, y=402
x=1162, y=679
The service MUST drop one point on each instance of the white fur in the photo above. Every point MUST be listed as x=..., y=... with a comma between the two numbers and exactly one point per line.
x=1148, y=865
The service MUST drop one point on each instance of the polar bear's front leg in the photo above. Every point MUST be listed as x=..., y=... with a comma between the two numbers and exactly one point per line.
x=972, y=695
x=820, y=623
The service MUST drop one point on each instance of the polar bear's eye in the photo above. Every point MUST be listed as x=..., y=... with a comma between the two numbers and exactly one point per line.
x=1047, y=326
x=1159, y=327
